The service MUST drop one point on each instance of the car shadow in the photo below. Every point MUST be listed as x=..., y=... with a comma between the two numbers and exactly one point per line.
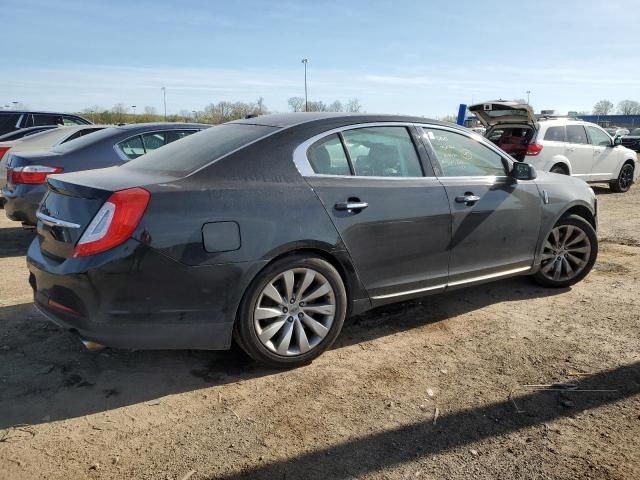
x=416, y=442
x=46, y=375
x=15, y=241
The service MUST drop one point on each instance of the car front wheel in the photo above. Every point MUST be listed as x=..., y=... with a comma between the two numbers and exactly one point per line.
x=568, y=253
x=624, y=180
x=292, y=312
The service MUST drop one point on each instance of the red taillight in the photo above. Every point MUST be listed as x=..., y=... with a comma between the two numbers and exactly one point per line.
x=534, y=149
x=31, y=174
x=114, y=223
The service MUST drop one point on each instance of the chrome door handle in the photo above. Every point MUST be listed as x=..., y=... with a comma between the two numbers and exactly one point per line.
x=468, y=199
x=349, y=206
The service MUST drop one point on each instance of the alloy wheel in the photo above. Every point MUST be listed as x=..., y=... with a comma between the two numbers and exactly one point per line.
x=566, y=253
x=294, y=311
x=626, y=177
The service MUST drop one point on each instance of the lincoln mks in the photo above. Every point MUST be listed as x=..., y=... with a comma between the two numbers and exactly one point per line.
x=270, y=231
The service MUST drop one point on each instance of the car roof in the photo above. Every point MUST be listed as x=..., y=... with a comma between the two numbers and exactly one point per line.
x=285, y=120
x=155, y=125
x=39, y=112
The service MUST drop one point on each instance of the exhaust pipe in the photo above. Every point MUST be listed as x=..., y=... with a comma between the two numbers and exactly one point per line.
x=92, y=346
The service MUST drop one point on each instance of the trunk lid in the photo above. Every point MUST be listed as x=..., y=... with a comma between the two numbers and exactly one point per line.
x=493, y=113
x=73, y=200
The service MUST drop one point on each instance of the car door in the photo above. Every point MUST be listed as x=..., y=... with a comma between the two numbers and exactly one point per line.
x=579, y=151
x=391, y=212
x=496, y=220
x=605, y=156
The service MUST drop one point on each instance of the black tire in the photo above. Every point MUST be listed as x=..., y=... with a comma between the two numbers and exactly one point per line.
x=245, y=330
x=582, y=224
x=624, y=181
x=559, y=169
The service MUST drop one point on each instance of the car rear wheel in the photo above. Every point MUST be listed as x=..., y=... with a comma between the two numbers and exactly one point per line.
x=292, y=312
x=568, y=253
x=625, y=179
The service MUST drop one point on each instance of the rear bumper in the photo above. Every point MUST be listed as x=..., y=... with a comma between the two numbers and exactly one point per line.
x=142, y=301
x=22, y=203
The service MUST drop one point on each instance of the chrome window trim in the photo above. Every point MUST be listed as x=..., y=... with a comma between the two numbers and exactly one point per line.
x=55, y=222
x=303, y=165
x=19, y=120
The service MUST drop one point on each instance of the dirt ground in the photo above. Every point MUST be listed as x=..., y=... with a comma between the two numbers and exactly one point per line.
x=443, y=387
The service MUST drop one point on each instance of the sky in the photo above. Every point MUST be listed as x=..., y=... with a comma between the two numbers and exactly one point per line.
x=411, y=57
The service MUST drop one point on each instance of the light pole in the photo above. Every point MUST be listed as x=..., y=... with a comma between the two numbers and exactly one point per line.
x=306, y=101
x=15, y=105
x=134, y=110
x=528, y=95
x=164, y=98
x=195, y=114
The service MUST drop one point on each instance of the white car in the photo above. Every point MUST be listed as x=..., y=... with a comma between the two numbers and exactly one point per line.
x=559, y=145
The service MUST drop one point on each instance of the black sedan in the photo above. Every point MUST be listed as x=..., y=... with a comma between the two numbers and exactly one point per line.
x=632, y=140
x=27, y=172
x=273, y=230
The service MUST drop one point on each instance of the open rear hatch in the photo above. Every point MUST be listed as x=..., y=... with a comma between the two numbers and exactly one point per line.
x=493, y=113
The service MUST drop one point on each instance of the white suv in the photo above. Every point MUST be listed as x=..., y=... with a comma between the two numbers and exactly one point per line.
x=559, y=145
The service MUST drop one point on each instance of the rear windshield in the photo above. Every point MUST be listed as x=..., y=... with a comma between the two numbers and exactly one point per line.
x=195, y=151
x=86, y=140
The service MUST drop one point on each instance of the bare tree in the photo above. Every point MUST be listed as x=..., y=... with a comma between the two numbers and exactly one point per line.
x=119, y=111
x=603, y=107
x=317, y=106
x=336, y=106
x=296, y=104
x=629, y=107
x=262, y=108
x=151, y=111
x=353, y=106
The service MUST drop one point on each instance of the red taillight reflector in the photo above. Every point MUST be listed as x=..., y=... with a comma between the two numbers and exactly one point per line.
x=62, y=308
x=114, y=223
x=31, y=174
x=534, y=149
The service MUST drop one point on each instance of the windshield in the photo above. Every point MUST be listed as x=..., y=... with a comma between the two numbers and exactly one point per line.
x=189, y=154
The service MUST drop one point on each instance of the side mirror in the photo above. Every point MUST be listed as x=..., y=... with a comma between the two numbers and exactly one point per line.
x=523, y=171
x=617, y=140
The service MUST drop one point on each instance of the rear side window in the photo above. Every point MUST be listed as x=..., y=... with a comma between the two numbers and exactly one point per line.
x=576, y=134
x=598, y=137
x=555, y=134
x=196, y=151
x=132, y=147
x=327, y=157
x=382, y=152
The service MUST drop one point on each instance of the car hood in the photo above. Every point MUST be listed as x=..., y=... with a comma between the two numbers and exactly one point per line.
x=500, y=112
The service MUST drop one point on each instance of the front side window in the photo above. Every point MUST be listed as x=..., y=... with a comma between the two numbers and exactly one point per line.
x=153, y=140
x=39, y=119
x=462, y=156
x=598, y=137
x=555, y=134
x=173, y=135
x=132, y=147
x=576, y=134
x=327, y=157
x=70, y=121
x=382, y=152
